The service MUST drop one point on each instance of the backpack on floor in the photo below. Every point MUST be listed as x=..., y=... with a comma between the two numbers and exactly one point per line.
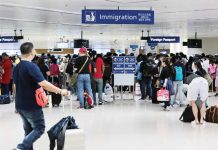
x=178, y=73
x=212, y=114
x=88, y=101
x=108, y=90
x=188, y=116
x=5, y=99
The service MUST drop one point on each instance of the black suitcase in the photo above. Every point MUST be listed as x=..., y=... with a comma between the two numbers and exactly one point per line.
x=154, y=96
x=56, y=99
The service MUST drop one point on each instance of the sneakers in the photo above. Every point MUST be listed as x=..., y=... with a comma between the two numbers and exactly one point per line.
x=100, y=103
x=168, y=108
x=141, y=99
x=216, y=94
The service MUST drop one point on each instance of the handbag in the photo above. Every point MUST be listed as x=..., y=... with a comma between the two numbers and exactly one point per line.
x=41, y=98
x=163, y=95
x=74, y=77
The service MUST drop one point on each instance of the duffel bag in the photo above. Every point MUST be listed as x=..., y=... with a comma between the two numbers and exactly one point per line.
x=188, y=116
x=212, y=114
x=5, y=99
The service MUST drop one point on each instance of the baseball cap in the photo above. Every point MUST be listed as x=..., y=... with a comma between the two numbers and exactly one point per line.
x=4, y=54
x=83, y=50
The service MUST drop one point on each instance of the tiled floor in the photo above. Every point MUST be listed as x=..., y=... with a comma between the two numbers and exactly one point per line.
x=122, y=125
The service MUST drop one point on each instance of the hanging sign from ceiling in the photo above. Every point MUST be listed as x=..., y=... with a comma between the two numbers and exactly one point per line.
x=164, y=39
x=8, y=39
x=96, y=16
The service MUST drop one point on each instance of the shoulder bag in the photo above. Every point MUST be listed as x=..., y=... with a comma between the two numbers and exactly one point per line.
x=74, y=77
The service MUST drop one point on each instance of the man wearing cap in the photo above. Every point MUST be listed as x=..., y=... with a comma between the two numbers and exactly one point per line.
x=6, y=73
x=83, y=82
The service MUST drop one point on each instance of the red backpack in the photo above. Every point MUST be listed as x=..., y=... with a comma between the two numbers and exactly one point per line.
x=54, y=70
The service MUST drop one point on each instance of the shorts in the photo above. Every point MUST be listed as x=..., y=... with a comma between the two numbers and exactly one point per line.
x=198, y=88
x=216, y=82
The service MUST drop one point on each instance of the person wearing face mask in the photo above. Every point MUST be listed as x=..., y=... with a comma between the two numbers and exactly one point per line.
x=166, y=80
x=27, y=79
x=198, y=69
x=198, y=89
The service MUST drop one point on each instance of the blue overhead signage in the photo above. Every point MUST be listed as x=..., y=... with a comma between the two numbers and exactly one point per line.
x=164, y=39
x=93, y=16
x=134, y=47
x=7, y=39
x=124, y=65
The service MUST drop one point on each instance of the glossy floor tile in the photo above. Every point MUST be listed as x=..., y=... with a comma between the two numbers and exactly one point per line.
x=121, y=125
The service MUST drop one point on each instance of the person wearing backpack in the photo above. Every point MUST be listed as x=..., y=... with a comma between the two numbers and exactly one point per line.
x=146, y=70
x=178, y=77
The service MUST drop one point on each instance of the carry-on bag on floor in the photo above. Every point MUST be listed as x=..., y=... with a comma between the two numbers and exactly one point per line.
x=5, y=99
x=55, y=98
x=88, y=101
x=212, y=114
x=188, y=116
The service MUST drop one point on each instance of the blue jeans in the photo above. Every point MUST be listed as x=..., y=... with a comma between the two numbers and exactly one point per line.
x=5, y=89
x=146, y=86
x=34, y=127
x=178, y=87
x=99, y=85
x=83, y=83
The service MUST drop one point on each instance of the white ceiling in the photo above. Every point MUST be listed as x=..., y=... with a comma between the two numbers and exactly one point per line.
x=63, y=18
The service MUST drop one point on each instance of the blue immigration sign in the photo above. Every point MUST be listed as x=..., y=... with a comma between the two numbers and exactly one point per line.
x=96, y=16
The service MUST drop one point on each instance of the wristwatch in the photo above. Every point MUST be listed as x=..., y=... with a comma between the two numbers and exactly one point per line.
x=60, y=92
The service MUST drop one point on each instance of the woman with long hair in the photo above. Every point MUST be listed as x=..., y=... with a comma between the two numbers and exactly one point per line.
x=198, y=89
x=166, y=80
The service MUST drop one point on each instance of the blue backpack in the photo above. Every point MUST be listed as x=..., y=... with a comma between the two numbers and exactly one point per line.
x=178, y=73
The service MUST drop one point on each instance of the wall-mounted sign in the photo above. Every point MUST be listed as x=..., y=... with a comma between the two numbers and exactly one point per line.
x=93, y=16
x=164, y=39
x=124, y=64
x=134, y=47
x=8, y=39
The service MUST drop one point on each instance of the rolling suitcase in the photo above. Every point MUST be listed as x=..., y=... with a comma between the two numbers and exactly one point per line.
x=55, y=98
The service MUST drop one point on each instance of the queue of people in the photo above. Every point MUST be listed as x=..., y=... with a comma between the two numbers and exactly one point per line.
x=171, y=72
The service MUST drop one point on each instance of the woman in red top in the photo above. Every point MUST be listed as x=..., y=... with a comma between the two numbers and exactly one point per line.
x=6, y=74
x=98, y=76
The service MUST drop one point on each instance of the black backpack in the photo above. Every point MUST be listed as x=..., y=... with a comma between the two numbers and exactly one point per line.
x=146, y=69
x=188, y=116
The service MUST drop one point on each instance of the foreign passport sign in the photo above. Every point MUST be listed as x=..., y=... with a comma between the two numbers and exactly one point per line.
x=96, y=16
x=164, y=39
x=8, y=39
x=124, y=65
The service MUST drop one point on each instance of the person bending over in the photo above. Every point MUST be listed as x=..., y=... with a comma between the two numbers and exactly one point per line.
x=198, y=88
